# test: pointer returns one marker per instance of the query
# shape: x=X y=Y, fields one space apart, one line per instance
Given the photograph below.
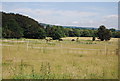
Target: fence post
x=33 y=72
x=27 y=45
x=21 y=68
x=105 y=50
x=117 y=51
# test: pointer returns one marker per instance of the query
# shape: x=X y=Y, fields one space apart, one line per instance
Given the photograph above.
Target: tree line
x=20 y=26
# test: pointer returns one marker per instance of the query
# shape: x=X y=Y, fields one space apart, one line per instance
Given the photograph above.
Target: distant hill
x=43 y=24
x=91 y=28
x=80 y=27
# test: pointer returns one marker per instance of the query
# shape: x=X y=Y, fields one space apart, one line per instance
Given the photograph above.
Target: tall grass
x=60 y=60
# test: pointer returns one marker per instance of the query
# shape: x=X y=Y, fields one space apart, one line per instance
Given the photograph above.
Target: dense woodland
x=20 y=26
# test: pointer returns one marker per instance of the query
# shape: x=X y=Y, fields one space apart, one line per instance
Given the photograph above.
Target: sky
x=60 y=0
x=81 y=14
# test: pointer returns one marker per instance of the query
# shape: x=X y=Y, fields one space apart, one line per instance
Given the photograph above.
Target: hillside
x=16 y=26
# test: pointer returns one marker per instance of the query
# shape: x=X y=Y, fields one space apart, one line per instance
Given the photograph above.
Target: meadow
x=38 y=59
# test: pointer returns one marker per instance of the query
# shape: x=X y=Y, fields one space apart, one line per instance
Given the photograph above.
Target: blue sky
x=83 y=14
x=60 y=0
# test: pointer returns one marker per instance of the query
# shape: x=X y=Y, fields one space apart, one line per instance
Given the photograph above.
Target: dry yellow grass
x=60 y=59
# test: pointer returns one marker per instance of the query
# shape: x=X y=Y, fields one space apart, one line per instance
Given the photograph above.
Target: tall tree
x=103 y=33
x=107 y=35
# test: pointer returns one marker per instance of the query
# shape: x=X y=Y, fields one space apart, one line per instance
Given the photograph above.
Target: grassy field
x=38 y=59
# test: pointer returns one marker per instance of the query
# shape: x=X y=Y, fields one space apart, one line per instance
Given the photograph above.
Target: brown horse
x=73 y=40
x=60 y=39
x=48 y=40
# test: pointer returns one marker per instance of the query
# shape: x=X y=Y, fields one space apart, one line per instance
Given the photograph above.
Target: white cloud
x=111 y=21
x=63 y=17
x=67 y=17
x=111 y=16
x=57 y=24
x=55 y=12
x=0 y=6
x=75 y=13
x=75 y=22
x=33 y=12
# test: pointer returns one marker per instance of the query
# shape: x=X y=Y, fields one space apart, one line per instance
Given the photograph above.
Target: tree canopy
x=17 y=26
x=103 y=33
x=20 y=26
